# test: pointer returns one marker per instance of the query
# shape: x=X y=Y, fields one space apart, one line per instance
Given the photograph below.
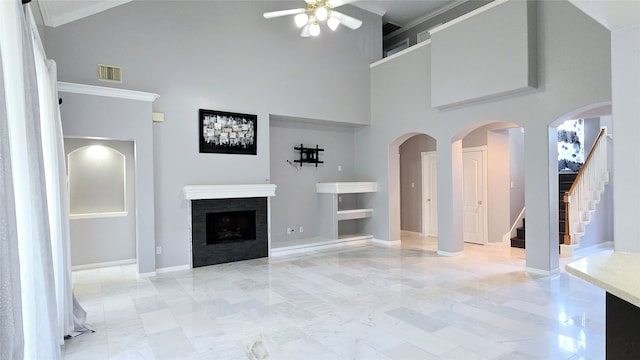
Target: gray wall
x=499 y=56
x=574 y=72
x=498 y=171
x=296 y=202
x=89 y=116
x=411 y=172
x=219 y=55
x=591 y=131
x=516 y=173
x=109 y=238
x=479 y=136
x=625 y=56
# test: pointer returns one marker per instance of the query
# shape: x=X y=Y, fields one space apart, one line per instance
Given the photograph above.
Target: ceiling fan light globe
x=333 y=23
x=314 y=29
x=301 y=20
x=322 y=13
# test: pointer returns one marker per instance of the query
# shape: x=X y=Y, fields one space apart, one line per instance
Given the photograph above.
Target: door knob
x=429 y=200
x=479 y=202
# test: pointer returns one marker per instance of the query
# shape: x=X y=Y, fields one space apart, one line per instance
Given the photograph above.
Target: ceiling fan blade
x=346 y=20
x=274 y=14
x=305 y=31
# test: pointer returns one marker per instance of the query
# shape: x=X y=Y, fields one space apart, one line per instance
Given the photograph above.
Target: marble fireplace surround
x=242 y=191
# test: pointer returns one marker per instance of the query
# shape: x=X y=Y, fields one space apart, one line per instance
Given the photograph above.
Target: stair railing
x=585 y=192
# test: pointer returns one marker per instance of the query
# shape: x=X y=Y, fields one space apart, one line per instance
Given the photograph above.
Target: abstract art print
x=228 y=133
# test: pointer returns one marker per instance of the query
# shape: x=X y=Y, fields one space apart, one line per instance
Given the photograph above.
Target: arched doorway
x=412 y=187
x=573 y=144
x=490 y=178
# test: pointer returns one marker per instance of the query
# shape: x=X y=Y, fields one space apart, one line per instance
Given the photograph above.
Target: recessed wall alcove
x=102 y=201
x=97 y=181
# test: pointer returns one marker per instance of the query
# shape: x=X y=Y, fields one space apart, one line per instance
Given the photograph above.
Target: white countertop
x=346 y=187
x=616 y=272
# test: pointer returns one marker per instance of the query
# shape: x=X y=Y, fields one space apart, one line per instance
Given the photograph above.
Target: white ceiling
x=613 y=14
x=59 y=12
x=400 y=12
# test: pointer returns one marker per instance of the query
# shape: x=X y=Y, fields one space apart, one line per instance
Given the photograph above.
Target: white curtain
x=36 y=261
x=37 y=274
x=11 y=337
x=55 y=179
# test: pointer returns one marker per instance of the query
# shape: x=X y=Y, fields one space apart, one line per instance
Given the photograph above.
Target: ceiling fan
x=317 y=11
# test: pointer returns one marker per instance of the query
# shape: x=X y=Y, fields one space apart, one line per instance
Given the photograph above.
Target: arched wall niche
x=97 y=181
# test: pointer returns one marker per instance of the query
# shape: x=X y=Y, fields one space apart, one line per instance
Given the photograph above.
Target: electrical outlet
x=158 y=250
x=290 y=231
x=301 y=229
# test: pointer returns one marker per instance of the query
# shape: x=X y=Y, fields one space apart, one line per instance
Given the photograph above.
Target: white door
x=429 y=195
x=474 y=195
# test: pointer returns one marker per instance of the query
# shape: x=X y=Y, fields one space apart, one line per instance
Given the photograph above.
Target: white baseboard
x=172 y=269
x=321 y=245
x=542 y=272
x=450 y=254
x=412 y=232
x=577 y=250
x=146 y=275
x=103 y=264
x=393 y=243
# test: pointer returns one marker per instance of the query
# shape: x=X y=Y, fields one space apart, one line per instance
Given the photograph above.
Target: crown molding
x=56 y=13
x=106 y=91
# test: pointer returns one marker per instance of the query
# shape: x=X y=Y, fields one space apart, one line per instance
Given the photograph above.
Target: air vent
x=109 y=73
x=388 y=28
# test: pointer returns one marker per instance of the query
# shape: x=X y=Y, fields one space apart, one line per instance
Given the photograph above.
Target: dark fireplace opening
x=230 y=226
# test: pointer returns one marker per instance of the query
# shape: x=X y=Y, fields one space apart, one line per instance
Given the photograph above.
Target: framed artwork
x=227 y=133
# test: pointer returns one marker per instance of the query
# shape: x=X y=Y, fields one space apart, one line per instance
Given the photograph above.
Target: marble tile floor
x=363 y=302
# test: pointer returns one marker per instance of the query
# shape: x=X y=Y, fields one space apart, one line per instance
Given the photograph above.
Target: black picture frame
x=227 y=132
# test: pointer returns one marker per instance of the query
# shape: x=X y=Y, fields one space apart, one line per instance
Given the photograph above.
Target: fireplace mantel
x=198 y=192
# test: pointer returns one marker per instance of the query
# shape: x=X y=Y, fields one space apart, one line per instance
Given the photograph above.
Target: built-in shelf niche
x=343 y=213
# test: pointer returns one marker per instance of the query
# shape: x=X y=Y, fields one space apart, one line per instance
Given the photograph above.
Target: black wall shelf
x=308 y=155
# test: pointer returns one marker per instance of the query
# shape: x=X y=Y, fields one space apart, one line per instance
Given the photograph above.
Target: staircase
x=518 y=241
x=583 y=196
x=565 y=181
x=578 y=196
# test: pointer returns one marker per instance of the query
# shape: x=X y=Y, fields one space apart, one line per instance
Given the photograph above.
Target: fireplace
x=230 y=226
x=228 y=222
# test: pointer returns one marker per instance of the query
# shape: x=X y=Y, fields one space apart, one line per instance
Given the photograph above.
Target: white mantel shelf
x=199 y=192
